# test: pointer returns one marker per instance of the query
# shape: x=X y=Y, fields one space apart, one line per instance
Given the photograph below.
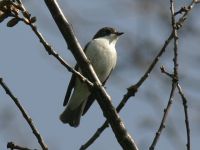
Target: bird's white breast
x=102 y=56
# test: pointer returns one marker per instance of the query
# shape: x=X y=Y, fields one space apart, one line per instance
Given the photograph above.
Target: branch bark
x=123 y=137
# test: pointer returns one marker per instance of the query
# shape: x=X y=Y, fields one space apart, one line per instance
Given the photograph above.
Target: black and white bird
x=103 y=56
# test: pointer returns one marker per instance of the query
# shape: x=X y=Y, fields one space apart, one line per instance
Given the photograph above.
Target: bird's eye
x=108 y=32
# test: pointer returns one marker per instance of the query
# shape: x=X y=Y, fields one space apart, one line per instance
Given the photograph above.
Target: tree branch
x=162 y=124
x=25 y=115
x=134 y=88
x=131 y=91
x=187 y=124
x=174 y=78
x=13 y=146
x=48 y=47
x=123 y=137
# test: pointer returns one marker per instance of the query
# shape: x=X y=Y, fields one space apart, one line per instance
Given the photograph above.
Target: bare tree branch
x=174 y=78
x=185 y=106
x=47 y=46
x=123 y=137
x=13 y=146
x=131 y=91
x=25 y=115
x=134 y=88
x=187 y=124
x=162 y=124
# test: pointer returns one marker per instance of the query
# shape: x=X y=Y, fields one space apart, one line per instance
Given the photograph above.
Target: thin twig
x=174 y=78
x=175 y=37
x=187 y=124
x=13 y=146
x=166 y=112
x=52 y=52
x=186 y=12
x=162 y=68
x=25 y=115
x=185 y=106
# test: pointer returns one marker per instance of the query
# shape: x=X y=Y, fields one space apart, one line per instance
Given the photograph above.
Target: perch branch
x=104 y=100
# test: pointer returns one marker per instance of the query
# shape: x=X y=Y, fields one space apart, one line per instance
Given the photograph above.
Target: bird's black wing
x=70 y=87
x=92 y=97
x=72 y=83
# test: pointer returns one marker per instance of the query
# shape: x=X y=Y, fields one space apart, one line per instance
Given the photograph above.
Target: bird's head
x=108 y=33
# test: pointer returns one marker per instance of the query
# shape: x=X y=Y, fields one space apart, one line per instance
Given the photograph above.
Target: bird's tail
x=72 y=117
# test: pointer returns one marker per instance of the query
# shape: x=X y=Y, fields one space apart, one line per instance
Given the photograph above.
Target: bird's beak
x=119 y=33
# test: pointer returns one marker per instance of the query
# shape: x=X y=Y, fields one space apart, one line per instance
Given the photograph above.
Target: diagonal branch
x=166 y=112
x=51 y=51
x=25 y=115
x=123 y=137
x=132 y=90
x=49 y=48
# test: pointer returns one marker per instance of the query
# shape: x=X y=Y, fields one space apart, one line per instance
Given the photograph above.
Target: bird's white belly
x=102 y=59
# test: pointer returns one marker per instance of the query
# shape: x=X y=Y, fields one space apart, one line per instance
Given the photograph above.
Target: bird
x=102 y=55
